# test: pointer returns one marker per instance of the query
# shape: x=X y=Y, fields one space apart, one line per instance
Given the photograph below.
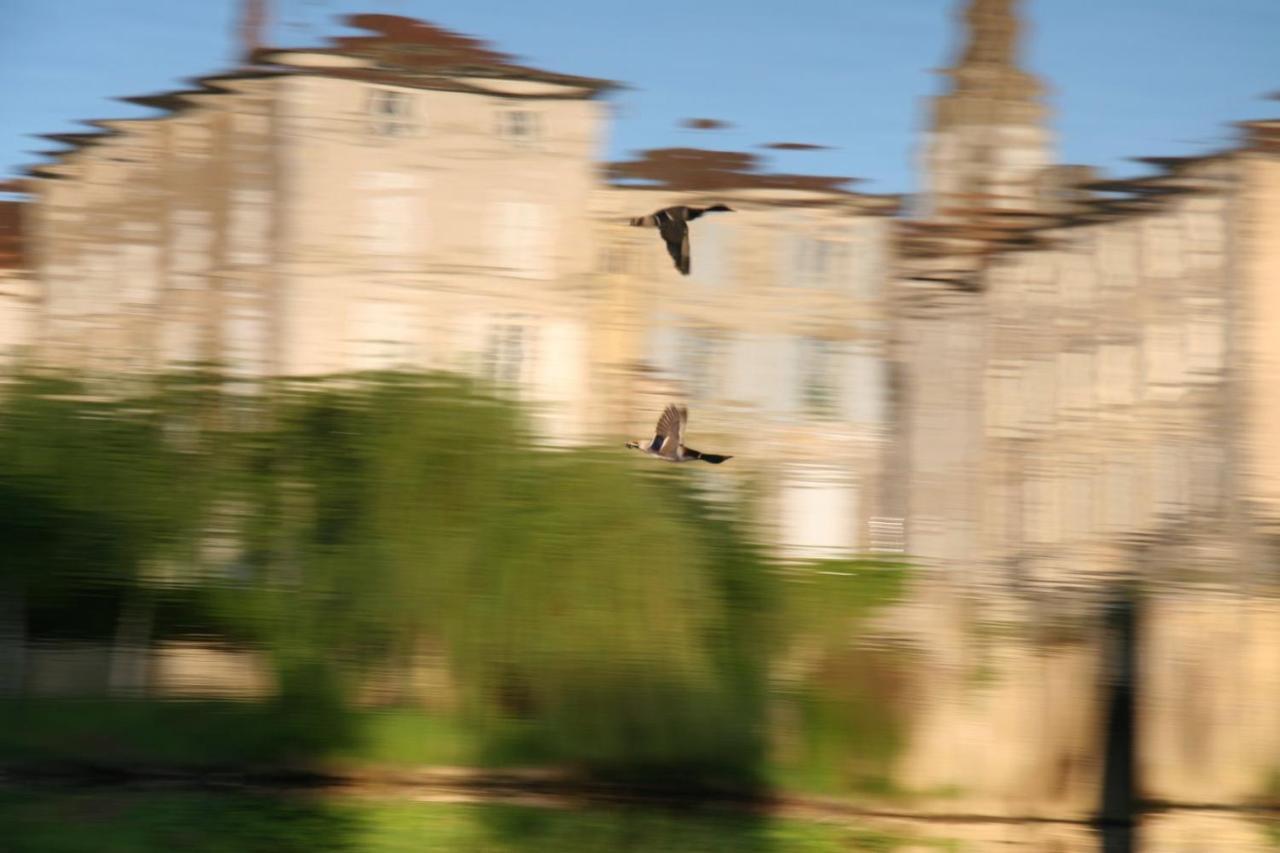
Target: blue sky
x=1127 y=77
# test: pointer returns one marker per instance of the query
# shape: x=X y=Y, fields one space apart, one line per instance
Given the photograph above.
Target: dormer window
x=520 y=126
x=390 y=113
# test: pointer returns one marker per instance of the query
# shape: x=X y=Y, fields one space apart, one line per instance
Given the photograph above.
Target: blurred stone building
x=413 y=198
x=1062 y=363
x=408 y=198
x=1090 y=373
x=1087 y=361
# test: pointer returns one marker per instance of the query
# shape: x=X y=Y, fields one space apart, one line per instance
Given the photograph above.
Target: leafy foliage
x=592 y=612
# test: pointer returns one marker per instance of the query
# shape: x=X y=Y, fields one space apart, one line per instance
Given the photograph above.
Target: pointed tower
x=987 y=147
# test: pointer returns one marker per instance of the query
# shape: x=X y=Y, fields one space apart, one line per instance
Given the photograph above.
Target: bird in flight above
x=668 y=440
x=673 y=225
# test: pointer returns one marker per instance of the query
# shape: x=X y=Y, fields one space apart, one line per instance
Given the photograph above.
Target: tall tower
x=987 y=147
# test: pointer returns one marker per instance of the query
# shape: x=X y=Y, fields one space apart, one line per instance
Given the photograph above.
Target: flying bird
x=673 y=225
x=668 y=440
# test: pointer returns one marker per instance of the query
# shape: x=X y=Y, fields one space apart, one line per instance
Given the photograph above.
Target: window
x=1164 y=354
x=864 y=375
x=95 y=293
x=562 y=359
x=1075 y=381
x=867 y=257
x=520 y=126
x=506 y=351
x=192 y=238
x=743 y=376
x=244 y=341
x=817 y=381
x=813 y=261
x=387 y=212
x=249 y=230
x=1206 y=337
x=139 y=264
x=180 y=340
x=559 y=379
x=819 y=261
x=390 y=224
x=523 y=238
x=818 y=514
x=663 y=344
x=390 y=113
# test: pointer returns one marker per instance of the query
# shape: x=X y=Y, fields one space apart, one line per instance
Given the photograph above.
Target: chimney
x=253 y=24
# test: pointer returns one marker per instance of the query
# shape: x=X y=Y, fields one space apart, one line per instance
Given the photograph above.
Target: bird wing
x=676 y=235
x=671 y=429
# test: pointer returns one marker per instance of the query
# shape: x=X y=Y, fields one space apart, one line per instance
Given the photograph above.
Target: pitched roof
x=411 y=52
x=397 y=51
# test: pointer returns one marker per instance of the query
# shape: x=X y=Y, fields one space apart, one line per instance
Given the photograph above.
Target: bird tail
x=713 y=458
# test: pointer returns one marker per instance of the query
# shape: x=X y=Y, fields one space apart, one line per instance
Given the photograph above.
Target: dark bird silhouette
x=668 y=440
x=673 y=225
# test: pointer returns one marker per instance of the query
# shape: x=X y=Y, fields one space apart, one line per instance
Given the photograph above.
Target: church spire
x=993 y=33
x=987 y=143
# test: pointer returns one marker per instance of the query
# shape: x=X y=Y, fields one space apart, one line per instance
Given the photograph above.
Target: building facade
x=414 y=199
x=1088 y=366
x=1090 y=376
x=778 y=338
x=1053 y=356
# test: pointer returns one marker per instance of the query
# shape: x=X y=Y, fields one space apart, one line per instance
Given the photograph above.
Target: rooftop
x=394 y=51
x=699 y=169
x=410 y=52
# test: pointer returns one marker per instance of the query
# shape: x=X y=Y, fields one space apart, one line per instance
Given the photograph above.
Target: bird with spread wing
x=673 y=224
x=668 y=440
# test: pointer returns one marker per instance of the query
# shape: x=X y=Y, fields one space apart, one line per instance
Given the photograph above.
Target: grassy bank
x=126 y=822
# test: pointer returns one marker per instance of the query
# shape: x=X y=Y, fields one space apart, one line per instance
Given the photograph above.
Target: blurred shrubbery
x=591 y=612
